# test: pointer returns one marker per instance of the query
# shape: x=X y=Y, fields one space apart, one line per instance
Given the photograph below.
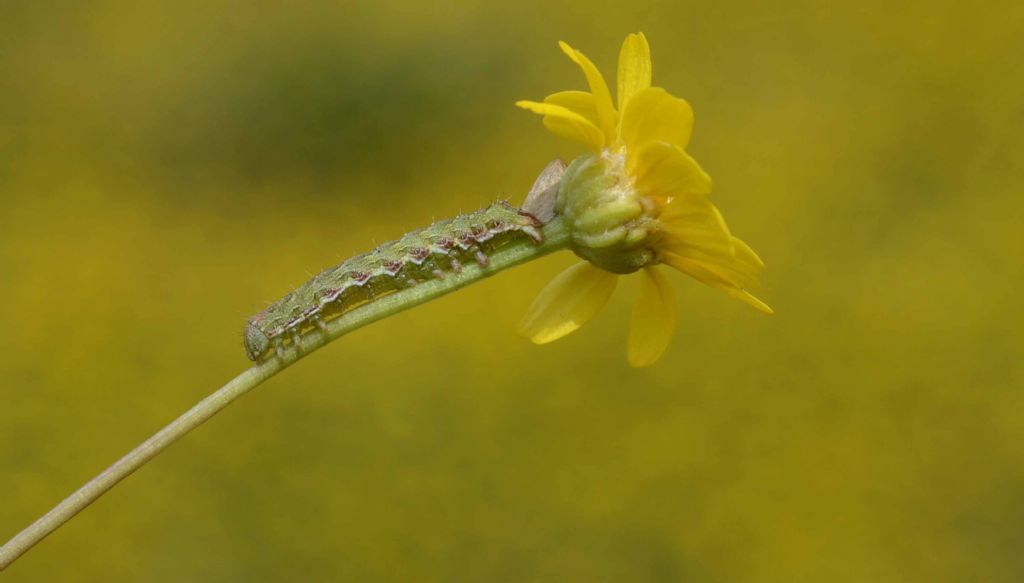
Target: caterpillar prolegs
x=423 y=254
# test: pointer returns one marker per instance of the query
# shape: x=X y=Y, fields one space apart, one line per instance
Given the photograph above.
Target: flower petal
x=726 y=278
x=730 y=269
x=565 y=123
x=653 y=115
x=654 y=319
x=579 y=102
x=634 y=67
x=568 y=302
x=746 y=255
x=602 y=97
x=693 y=222
x=666 y=170
x=741 y=267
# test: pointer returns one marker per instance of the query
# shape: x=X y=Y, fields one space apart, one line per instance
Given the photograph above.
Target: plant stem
x=555 y=238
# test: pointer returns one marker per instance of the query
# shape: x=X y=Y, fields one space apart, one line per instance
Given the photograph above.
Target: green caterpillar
x=422 y=254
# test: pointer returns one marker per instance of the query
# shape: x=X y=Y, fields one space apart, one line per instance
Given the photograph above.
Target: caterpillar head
x=256 y=342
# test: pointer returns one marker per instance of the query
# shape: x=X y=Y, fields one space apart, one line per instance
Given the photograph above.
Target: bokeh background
x=167 y=169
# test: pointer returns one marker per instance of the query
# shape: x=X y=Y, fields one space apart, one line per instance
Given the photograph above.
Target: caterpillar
x=422 y=254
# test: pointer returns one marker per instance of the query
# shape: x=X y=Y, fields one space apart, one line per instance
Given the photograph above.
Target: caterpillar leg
x=481 y=257
x=278 y=347
x=318 y=321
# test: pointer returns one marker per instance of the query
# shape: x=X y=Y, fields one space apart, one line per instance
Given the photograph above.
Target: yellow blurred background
x=167 y=169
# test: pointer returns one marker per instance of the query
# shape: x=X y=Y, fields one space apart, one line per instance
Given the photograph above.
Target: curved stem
x=555 y=238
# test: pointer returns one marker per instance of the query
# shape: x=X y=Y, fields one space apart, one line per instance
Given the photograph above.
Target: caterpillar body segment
x=420 y=255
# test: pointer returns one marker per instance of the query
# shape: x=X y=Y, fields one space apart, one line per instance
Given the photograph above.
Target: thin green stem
x=555 y=238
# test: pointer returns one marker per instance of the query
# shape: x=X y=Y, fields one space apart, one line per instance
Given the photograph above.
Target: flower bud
x=609 y=221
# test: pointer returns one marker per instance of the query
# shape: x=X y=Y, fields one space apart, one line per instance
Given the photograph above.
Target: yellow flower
x=636 y=201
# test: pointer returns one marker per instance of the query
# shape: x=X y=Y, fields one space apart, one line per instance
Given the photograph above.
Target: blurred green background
x=167 y=169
